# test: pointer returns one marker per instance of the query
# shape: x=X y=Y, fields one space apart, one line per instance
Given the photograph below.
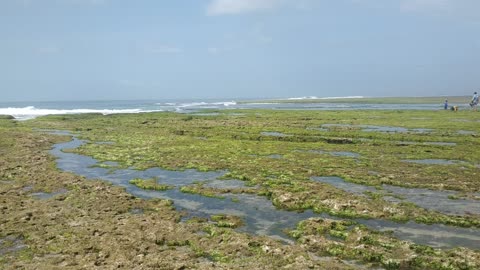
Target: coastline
x=369 y=100
x=30 y=110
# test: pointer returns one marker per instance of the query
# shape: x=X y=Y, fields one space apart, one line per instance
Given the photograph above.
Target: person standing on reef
x=445 y=106
x=474 y=102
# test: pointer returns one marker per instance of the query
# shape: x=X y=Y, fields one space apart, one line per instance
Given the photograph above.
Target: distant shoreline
x=26 y=110
x=369 y=100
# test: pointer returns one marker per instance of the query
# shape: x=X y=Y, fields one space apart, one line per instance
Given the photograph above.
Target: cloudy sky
x=150 y=49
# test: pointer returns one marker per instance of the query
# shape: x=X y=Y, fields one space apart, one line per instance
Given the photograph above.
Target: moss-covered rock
x=150 y=184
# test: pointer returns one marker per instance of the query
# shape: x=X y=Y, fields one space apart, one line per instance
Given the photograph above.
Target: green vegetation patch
x=227 y=221
x=150 y=184
x=6 y=117
x=347 y=240
x=200 y=189
x=236 y=144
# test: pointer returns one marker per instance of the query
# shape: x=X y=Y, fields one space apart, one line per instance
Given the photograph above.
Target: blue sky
x=148 y=49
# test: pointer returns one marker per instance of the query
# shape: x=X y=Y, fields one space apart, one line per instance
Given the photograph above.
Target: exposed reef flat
x=97 y=224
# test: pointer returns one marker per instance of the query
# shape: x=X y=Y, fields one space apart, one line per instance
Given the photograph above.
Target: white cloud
x=466 y=10
x=223 y=7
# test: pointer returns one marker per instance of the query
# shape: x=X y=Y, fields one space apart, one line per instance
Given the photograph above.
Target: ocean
x=29 y=110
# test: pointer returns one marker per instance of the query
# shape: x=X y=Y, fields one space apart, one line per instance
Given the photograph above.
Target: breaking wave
x=314 y=97
x=199 y=104
x=31 y=112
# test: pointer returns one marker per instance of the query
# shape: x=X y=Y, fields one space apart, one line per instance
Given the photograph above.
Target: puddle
x=441 y=143
x=274 y=134
x=318 y=129
x=434 y=161
x=440 y=201
x=56 y=132
x=136 y=211
x=11 y=244
x=426 y=143
x=436 y=235
x=258 y=213
x=429 y=199
x=275 y=156
x=384 y=129
x=337 y=154
x=205 y=114
x=27 y=188
x=466 y=132
x=344 y=185
x=47 y=195
x=461 y=120
x=225 y=184
x=372 y=128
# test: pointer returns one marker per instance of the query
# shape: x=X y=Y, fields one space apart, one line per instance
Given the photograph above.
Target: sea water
x=29 y=110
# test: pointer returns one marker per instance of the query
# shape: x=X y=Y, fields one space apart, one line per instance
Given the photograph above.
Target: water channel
x=259 y=215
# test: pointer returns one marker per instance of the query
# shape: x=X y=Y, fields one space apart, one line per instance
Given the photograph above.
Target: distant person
x=445 y=106
x=474 y=102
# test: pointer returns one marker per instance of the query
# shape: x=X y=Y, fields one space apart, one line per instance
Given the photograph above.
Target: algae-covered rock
x=347 y=240
x=96 y=225
x=227 y=221
x=6 y=117
x=150 y=184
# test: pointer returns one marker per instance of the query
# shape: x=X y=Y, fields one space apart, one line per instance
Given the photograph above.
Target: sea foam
x=31 y=112
x=314 y=97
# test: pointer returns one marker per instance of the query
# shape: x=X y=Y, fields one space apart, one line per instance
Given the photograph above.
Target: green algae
x=150 y=184
x=6 y=117
x=199 y=189
x=235 y=144
x=227 y=221
x=348 y=240
x=93 y=225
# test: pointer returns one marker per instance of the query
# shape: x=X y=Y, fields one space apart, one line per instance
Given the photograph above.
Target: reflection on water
x=11 y=244
x=274 y=134
x=426 y=143
x=258 y=213
x=47 y=195
x=434 y=161
x=440 y=201
x=337 y=153
x=466 y=132
x=435 y=235
x=441 y=143
x=372 y=128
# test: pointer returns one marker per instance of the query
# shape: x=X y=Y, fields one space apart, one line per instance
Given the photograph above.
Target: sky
x=148 y=49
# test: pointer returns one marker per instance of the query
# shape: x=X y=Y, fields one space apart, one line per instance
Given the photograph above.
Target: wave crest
x=31 y=112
